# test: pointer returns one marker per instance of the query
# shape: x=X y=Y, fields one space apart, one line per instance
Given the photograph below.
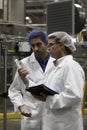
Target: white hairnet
x=64 y=38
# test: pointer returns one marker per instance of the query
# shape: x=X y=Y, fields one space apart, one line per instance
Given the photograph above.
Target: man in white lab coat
x=37 y=67
x=63 y=110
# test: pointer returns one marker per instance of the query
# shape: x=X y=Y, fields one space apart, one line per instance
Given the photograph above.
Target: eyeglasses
x=51 y=44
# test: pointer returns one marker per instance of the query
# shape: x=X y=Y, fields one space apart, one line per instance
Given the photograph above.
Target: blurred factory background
x=17 y=19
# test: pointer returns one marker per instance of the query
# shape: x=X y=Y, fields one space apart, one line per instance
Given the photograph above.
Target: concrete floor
x=14 y=124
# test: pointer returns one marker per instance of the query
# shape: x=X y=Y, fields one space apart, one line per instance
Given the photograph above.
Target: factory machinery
x=81 y=56
x=13 y=44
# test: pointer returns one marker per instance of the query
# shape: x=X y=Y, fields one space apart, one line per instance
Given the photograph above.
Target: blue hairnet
x=38 y=34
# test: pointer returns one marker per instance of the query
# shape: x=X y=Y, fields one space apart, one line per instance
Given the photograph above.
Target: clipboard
x=36 y=90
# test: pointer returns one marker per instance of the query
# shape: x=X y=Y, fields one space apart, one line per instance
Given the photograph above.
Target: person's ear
x=62 y=45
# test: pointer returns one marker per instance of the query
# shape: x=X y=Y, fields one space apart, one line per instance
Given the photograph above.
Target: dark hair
x=38 y=34
x=68 y=51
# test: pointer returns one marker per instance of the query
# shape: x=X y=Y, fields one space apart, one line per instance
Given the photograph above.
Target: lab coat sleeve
x=73 y=80
x=31 y=83
x=15 y=92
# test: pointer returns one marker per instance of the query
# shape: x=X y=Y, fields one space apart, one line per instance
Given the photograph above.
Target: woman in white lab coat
x=63 y=110
x=37 y=66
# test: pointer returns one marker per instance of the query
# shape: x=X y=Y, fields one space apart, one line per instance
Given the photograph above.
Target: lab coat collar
x=60 y=61
x=32 y=58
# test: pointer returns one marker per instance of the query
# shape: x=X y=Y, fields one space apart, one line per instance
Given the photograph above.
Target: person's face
x=55 y=48
x=39 y=48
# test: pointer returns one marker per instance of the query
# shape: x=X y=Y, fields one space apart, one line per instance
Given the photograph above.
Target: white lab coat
x=19 y=96
x=63 y=110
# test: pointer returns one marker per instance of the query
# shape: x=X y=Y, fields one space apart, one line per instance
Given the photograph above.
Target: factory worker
x=63 y=110
x=37 y=66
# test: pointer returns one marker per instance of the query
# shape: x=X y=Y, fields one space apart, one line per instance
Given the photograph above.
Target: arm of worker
x=24 y=75
x=14 y=93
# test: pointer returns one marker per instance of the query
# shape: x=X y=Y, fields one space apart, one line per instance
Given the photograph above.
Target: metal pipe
x=73 y=18
x=5 y=90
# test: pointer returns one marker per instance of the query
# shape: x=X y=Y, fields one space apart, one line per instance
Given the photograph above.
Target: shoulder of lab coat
x=29 y=59
x=73 y=78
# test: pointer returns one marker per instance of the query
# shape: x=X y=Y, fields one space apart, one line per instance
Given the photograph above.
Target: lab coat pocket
x=28 y=123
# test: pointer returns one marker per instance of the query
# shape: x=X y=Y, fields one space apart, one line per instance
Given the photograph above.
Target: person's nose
x=35 y=48
x=48 y=48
